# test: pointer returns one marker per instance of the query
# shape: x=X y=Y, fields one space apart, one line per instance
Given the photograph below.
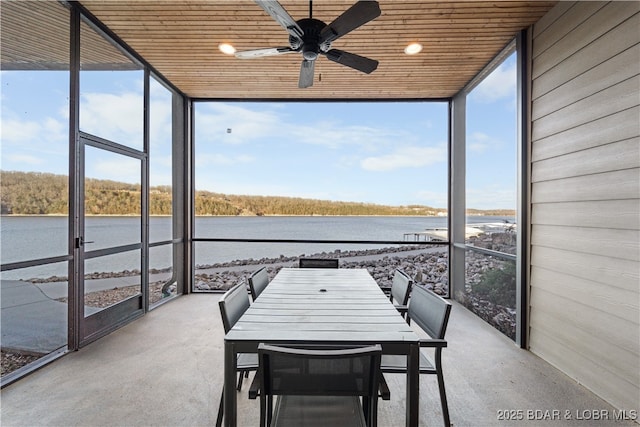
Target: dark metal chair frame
x=258 y=281
x=400 y=290
x=431 y=313
x=318 y=263
x=322 y=381
x=232 y=306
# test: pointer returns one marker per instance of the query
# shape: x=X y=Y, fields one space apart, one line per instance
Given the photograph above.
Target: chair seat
x=320 y=411
x=247 y=361
x=393 y=364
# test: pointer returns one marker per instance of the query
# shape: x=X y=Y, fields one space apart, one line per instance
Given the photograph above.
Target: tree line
x=36 y=193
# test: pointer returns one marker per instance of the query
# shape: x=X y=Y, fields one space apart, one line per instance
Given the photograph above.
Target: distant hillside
x=32 y=193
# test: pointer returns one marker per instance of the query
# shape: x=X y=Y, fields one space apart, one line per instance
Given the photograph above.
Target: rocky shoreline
x=427 y=265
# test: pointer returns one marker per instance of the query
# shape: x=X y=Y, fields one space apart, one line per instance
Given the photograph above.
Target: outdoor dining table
x=322 y=307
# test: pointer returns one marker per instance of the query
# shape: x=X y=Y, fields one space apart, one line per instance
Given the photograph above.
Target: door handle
x=81 y=242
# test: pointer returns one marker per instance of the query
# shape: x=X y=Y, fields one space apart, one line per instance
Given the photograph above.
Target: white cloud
x=24 y=159
x=335 y=134
x=162 y=162
x=19 y=131
x=235 y=124
x=480 y=142
x=27 y=144
x=160 y=170
x=207 y=159
x=160 y=124
x=491 y=197
x=406 y=157
x=114 y=117
x=63 y=112
x=164 y=178
x=121 y=169
x=55 y=130
x=500 y=84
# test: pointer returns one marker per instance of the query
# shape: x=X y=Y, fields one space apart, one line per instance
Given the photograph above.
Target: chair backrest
x=233 y=304
x=319 y=372
x=258 y=280
x=401 y=287
x=318 y=262
x=429 y=311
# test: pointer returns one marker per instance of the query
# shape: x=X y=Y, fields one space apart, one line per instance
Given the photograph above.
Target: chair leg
x=443 y=399
x=372 y=411
x=266 y=410
x=240 y=378
x=263 y=412
x=220 y=410
x=366 y=409
x=269 y=410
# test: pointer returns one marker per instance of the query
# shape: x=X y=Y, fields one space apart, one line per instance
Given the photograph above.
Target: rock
x=429 y=269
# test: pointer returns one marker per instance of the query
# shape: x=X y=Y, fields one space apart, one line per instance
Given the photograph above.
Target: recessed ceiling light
x=227 y=48
x=413 y=48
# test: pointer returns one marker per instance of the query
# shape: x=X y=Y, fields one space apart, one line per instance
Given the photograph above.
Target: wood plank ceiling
x=180 y=39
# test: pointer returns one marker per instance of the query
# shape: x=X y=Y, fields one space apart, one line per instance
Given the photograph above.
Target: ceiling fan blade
x=258 y=53
x=282 y=17
x=352 y=60
x=306 y=74
x=354 y=17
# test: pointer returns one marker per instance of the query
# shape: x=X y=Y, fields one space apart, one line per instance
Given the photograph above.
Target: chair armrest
x=254 y=389
x=385 y=393
x=386 y=290
x=403 y=309
x=433 y=343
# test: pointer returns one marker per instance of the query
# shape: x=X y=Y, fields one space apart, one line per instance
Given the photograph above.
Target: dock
x=442 y=234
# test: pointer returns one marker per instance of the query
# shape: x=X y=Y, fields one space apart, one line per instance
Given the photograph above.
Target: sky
x=383 y=153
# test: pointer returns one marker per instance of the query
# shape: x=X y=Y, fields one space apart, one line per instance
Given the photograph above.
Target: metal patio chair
x=258 y=280
x=318 y=262
x=431 y=313
x=232 y=305
x=319 y=386
x=400 y=290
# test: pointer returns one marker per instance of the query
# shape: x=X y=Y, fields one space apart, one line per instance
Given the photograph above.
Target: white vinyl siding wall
x=585 y=196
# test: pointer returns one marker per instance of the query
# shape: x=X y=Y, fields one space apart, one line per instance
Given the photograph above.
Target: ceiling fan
x=313 y=37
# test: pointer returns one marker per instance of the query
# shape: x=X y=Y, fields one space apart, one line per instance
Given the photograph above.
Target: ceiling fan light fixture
x=310 y=52
x=227 y=48
x=413 y=49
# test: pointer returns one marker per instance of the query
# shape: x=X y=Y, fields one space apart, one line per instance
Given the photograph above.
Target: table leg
x=413 y=385
x=230 y=404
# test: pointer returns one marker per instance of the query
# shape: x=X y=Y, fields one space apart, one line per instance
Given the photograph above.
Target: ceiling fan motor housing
x=310 y=44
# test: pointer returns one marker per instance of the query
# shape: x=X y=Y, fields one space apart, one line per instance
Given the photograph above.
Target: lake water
x=33 y=237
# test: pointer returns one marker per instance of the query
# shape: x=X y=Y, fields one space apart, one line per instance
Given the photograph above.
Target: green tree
x=498 y=285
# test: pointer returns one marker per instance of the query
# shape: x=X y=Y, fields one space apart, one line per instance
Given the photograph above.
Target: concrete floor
x=166 y=370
